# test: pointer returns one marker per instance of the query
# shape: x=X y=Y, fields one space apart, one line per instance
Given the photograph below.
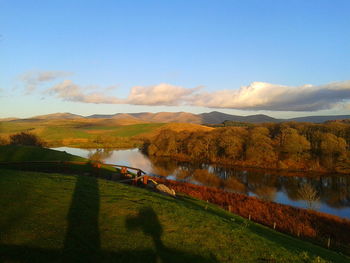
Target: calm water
x=325 y=193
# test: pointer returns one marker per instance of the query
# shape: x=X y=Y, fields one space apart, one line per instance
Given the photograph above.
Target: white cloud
x=256 y=96
x=266 y=96
x=161 y=94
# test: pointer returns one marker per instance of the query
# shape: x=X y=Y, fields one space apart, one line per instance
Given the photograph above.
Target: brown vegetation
x=297 y=146
x=3 y=141
x=26 y=138
x=295 y=221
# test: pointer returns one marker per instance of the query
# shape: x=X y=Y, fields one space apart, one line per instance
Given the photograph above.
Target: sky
x=280 y=58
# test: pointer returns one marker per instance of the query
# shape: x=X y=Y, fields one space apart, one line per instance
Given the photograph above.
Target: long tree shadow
x=82 y=242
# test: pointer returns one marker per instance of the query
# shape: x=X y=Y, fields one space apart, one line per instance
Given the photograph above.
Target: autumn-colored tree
x=292 y=144
x=332 y=149
x=199 y=146
x=164 y=144
x=284 y=145
x=182 y=139
x=260 y=148
x=231 y=142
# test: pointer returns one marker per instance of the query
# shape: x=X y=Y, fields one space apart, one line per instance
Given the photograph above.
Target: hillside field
x=91 y=133
x=55 y=217
x=81 y=132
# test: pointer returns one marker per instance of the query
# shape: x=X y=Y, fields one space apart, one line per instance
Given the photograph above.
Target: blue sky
x=90 y=57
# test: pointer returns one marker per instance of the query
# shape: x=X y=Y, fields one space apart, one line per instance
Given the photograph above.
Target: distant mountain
x=8 y=119
x=320 y=119
x=214 y=117
x=65 y=115
x=100 y=116
x=154 y=117
x=169 y=117
x=122 y=116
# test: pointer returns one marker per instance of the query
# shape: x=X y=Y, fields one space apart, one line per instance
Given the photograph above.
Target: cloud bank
x=256 y=96
x=161 y=94
x=266 y=96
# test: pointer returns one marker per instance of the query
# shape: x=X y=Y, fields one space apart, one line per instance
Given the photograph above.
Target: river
x=325 y=193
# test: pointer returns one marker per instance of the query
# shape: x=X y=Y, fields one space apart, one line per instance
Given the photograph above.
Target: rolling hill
x=214 y=117
x=320 y=119
x=59 y=115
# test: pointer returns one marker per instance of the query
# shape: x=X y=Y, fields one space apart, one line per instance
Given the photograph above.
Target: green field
x=54 y=217
x=79 y=133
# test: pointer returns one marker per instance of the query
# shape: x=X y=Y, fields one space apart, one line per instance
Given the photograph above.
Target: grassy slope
x=11 y=153
x=84 y=132
x=53 y=217
x=75 y=132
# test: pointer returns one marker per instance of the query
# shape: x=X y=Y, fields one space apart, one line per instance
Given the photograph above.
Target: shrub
x=3 y=141
x=26 y=138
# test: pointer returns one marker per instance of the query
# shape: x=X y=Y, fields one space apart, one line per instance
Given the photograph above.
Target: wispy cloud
x=162 y=94
x=69 y=91
x=33 y=79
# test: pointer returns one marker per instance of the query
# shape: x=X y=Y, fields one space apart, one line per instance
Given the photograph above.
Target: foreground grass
x=55 y=218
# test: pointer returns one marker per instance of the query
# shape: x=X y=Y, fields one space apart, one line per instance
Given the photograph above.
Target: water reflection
x=326 y=193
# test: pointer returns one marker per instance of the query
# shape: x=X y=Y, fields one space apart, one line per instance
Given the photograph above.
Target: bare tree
x=308 y=193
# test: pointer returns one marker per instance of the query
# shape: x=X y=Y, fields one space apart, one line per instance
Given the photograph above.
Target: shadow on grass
x=147 y=221
x=83 y=243
x=279 y=239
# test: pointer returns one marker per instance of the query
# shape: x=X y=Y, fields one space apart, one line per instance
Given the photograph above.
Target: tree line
x=302 y=146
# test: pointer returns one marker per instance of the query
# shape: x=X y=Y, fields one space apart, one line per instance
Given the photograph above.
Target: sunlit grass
x=80 y=132
x=12 y=153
